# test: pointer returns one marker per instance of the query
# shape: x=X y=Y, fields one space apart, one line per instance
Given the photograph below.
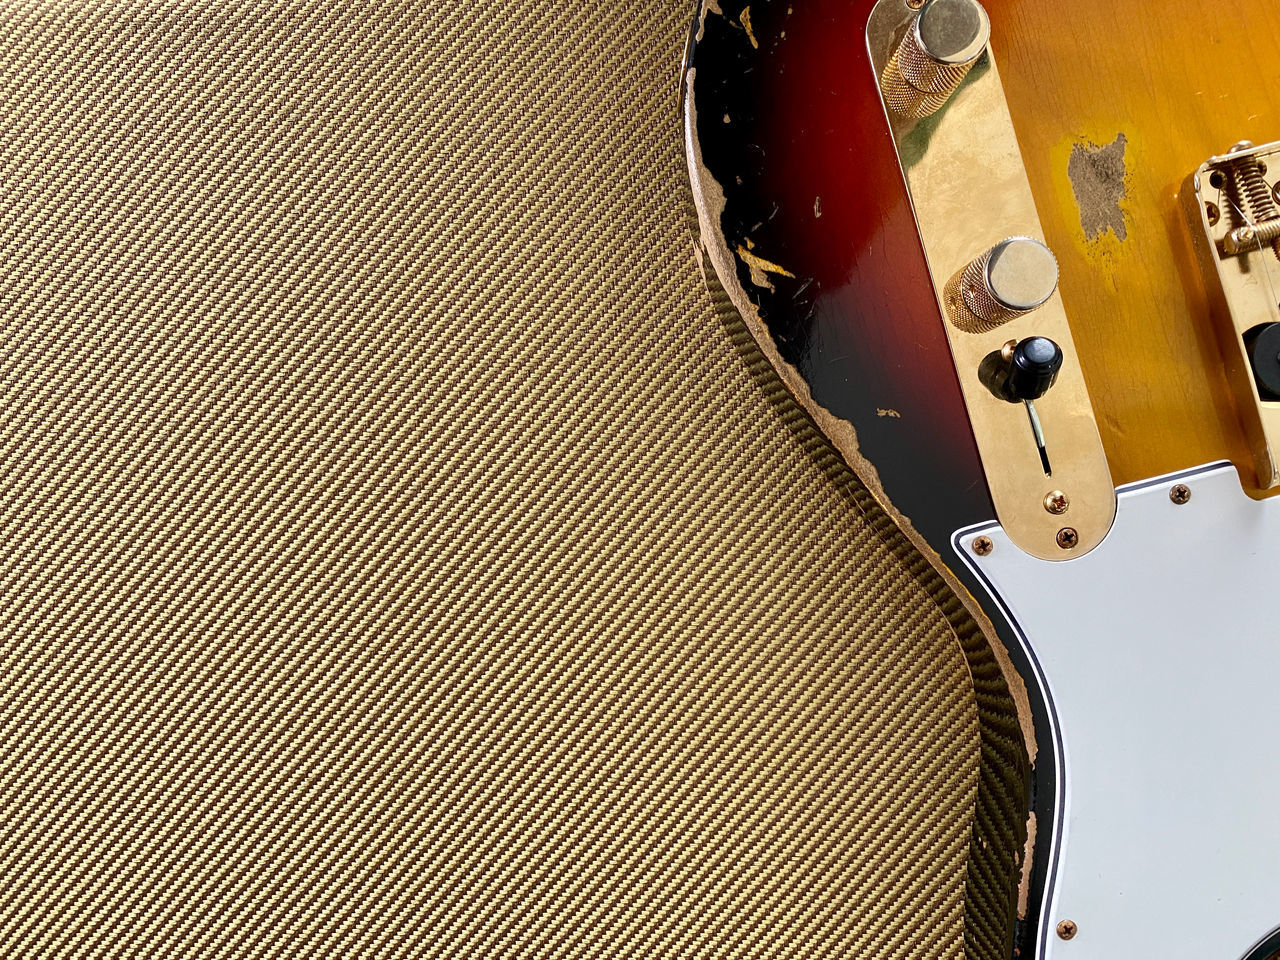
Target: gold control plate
x=1244 y=292
x=969 y=190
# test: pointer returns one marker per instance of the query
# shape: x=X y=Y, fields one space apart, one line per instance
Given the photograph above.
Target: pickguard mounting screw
x=1068 y=538
x=983 y=546
x=1180 y=494
x=1057 y=503
x=1067 y=930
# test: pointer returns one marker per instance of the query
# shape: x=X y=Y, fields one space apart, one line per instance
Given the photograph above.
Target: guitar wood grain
x=1173 y=84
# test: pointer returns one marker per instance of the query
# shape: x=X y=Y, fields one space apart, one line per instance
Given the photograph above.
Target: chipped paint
x=761 y=268
x=1099 y=180
x=745 y=18
x=891 y=414
x=710 y=205
x=817 y=207
x=1028 y=865
x=1103 y=233
x=708 y=7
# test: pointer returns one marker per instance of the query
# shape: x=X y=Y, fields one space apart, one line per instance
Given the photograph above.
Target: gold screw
x=983 y=546
x=1057 y=503
x=1067 y=930
x=1068 y=538
x=1180 y=494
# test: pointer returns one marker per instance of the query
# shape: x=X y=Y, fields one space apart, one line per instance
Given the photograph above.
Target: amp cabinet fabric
x=405 y=555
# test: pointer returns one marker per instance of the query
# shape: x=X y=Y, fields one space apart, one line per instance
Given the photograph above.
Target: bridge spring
x=1255 y=193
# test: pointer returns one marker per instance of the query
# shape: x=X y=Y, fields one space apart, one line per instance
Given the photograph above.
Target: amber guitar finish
x=808 y=222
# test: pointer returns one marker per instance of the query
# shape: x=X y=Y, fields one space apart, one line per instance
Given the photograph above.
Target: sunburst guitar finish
x=1142 y=657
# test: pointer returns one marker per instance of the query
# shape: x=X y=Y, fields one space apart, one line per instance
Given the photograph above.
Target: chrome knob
x=940 y=47
x=1011 y=279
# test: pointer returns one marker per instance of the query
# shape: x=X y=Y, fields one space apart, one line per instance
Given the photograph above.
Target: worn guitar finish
x=808 y=223
x=820 y=228
x=1112 y=112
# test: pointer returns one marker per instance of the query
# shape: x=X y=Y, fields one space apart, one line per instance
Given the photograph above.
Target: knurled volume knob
x=941 y=46
x=1011 y=279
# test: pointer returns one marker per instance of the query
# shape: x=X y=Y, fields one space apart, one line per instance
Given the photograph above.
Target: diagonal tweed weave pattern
x=399 y=559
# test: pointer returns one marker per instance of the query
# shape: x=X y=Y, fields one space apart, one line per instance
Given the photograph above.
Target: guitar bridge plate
x=1235 y=227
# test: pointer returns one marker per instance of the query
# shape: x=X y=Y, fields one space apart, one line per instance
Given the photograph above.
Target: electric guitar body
x=1021 y=263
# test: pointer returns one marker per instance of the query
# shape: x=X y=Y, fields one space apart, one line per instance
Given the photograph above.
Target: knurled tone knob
x=1011 y=279
x=944 y=42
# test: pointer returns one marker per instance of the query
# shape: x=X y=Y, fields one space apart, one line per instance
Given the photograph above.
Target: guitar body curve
x=812 y=231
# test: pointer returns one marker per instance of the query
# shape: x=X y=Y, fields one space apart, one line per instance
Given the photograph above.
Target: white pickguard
x=1160 y=655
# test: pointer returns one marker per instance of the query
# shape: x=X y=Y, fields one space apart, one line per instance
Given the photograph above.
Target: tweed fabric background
x=399 y=559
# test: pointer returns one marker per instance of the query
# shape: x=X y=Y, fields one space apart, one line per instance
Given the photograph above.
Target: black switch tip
x=1033 y=368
